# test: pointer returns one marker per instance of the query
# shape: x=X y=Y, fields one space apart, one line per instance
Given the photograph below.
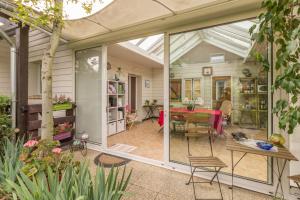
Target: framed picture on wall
x=147 y=83
x=207 y=71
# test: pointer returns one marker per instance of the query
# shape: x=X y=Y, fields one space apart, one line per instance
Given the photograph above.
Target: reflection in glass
x=88 y=91
x=237 y=87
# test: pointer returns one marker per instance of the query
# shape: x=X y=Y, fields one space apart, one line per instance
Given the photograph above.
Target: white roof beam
x=232 y=34
x=225 y=47
x=229 y=41
x=185 y=47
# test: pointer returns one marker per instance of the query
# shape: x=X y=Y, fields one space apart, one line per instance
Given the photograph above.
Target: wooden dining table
x=282 y=154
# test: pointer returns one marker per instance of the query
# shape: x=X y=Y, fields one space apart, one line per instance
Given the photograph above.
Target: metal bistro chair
x=202 y=164
x=296 y=179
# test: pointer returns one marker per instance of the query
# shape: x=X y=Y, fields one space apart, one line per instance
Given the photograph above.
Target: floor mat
x=107 y=160
x=123 y=148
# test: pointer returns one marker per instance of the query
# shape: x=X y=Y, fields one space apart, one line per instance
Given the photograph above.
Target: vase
x=190 y=107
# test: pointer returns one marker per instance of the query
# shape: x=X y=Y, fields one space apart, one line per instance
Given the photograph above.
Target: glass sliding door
x=88 y=92
x=216 y=71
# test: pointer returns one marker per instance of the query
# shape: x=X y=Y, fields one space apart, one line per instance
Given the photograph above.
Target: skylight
x=147 y=42
x=75 y=11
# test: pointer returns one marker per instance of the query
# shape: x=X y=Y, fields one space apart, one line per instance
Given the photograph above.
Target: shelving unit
x=255 y=103
x=116 y=107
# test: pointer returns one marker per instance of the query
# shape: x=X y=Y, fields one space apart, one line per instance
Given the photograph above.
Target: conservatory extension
x=145 y=74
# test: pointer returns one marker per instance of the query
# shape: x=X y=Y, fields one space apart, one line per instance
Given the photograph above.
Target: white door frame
x=103 y=83
x=136 y=89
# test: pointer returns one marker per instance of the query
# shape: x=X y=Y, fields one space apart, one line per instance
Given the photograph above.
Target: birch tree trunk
x=47 y=65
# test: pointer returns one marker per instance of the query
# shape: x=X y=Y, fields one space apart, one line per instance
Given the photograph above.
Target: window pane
x=196 y=94
x=237 y=86
x=88 y=101
x=175 y=90
x=188 y=85
x=188 y=94
x=196 y=84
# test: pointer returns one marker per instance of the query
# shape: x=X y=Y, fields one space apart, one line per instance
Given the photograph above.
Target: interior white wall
x=155 y=76
x=191 y=65
x=5 y=85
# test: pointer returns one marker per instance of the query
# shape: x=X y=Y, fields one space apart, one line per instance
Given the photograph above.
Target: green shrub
x=10 y=165
x=75 y=184
x=5 y=118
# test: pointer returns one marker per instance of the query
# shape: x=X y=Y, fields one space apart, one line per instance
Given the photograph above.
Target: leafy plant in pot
x=62 y=103
x=191 y=105
x=63 y=131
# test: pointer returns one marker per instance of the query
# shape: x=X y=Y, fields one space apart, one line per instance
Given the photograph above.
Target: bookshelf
x=254 y=103
x=116 y=107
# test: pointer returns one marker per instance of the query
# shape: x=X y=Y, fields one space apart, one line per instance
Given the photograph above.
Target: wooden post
x=22 y=34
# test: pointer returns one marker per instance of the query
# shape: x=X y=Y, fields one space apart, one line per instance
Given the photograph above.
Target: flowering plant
x=39 y=155
x=63 y=128
x=62 y=99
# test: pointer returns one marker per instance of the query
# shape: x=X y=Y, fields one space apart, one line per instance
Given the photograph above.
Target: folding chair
x=296 y=179
x=202 y=164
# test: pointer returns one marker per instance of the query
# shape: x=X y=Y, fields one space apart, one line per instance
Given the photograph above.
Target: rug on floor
x=107 y=160
x=123 y=148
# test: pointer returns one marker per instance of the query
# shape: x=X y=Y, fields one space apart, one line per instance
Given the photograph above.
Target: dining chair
x=178 y=122
x=131 y=117
x=202 y=164
x=226 y=108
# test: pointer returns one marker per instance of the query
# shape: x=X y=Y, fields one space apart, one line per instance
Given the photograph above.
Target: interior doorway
x=132 y=93
x=221 y=90
x=136 y=98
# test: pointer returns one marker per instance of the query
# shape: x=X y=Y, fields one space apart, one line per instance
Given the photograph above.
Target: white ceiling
x=139 y=59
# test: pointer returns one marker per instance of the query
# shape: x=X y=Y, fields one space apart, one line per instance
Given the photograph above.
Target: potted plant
x=62 y=103
x=147 y=102
x=191 y=105
x=154 y=102
x=63 y=131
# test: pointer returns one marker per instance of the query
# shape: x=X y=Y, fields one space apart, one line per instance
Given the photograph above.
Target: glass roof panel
x=149 y=42
x=233 y=37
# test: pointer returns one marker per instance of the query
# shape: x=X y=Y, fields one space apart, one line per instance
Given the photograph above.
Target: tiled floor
x=149 y=142
x=155 y=183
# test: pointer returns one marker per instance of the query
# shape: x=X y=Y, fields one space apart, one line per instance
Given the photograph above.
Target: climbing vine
x=279 y=24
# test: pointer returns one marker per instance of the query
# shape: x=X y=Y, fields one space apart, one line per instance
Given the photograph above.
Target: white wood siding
x=158 y=85
x=63 y=62
x=5 y=86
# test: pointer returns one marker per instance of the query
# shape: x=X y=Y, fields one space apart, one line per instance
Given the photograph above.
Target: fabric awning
x=124 y=14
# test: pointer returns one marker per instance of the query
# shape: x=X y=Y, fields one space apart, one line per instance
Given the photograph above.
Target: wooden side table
x=283 y=154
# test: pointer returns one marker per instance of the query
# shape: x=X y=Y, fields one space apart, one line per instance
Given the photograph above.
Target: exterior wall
x=5 y=85
x=63 y=62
